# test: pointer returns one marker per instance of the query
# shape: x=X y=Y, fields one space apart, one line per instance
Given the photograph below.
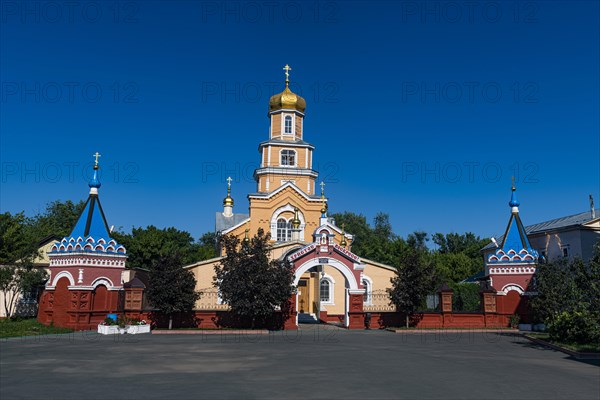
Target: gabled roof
x=268 y=195
x=564 y=222
x=223 y=223
x=554 y=224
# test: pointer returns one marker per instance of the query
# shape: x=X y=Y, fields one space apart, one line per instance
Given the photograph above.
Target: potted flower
x=138 y=326
x=108 y=327
x=123 y=325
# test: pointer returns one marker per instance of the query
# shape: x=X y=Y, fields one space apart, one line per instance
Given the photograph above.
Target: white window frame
x=285 y=119
x=330 y=281
x=290 y=152
x=287 y=230
x=277 y=215
x=368 y=298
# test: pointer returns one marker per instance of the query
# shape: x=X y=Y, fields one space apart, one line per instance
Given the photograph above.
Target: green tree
x=206 y=247
x=171 y=288
x=453 y=267
x=145 y=245
x=17 y=245
x=458 y=255
x=377 y=243
x=253 y=285
x=58 y=219
x=568 y=298
x=415 y=277
x=9 y=287
x=16 y=281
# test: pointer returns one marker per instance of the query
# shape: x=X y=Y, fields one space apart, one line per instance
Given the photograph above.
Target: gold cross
x=97 y=155
x=229 y=182
x=322 y=188
x=513 y=181
x=287 y=69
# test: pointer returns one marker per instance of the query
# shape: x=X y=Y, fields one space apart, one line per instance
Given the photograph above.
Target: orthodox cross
x=513 y=181
x=287 y=69
x=96 y=156
x=229 y=182
x=322 y=188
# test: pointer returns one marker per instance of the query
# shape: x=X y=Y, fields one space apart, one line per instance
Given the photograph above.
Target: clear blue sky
x=422 y=110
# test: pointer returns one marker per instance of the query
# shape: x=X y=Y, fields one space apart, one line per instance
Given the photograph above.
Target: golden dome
x=228 y=201
x=296 y=221
x=288 y=100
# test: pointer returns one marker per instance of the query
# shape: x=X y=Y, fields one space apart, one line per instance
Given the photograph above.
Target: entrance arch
x=335 y=263
x=61 y=302
x=353 y=291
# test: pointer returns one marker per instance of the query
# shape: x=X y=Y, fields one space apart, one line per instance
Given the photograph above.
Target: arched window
x=284 y=230
x=324 y=291
x=288 y=157
x=368 y=291
x=288 y=125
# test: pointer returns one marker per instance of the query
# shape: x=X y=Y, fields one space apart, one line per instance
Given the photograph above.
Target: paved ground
x=316 y=362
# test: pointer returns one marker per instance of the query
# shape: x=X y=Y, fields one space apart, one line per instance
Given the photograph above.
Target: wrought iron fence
x=210 y=300
x=378 y=301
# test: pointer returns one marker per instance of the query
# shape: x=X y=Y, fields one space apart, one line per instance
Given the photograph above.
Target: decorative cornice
x=291 y=171
x=267 y=196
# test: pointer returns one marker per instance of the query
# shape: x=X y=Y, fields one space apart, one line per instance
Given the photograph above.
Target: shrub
x=466 y=297
x=581 y=327
x=514 y=320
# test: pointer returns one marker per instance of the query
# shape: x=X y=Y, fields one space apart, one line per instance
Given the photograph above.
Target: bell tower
x=286 y=157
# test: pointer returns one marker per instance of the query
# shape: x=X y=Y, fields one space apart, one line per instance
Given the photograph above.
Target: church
x=89 y=279
x=333 y=284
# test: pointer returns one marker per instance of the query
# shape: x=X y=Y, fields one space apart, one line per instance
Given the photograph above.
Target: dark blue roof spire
x=95 y=181
x=514 y=203
x=92 y=221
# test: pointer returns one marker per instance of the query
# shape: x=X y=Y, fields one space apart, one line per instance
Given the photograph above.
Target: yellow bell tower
x=286 y=157
x=286 y=202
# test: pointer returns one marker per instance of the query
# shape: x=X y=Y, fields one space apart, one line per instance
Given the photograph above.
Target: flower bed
x=122 y=326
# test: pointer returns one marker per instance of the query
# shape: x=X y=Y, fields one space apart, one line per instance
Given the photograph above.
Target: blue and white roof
x=515 y=247
x=91 y=232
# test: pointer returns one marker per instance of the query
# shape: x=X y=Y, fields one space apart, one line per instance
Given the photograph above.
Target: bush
x=581 y=327
x=466 y=297
x=514 y=320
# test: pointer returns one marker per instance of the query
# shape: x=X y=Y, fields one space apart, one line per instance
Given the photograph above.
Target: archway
x=326 y=290
x=60 y=305
x=100 y=298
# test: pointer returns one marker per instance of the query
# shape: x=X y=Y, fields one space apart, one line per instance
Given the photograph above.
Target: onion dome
x=228 y=201
x=246 y=238
x=324 y=207
x=287 y=99
x=296 y=221
x=94 y=183
x=514 y=203
x=343 y=242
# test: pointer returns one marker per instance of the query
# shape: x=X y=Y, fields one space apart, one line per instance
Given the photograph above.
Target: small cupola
x=287 y=99
x=228 y=201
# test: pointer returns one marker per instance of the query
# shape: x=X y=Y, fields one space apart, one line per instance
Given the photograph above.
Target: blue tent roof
x=92 y=221
x=515 y=237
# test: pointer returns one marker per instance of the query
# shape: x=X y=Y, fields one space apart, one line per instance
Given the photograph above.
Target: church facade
x=333 y=284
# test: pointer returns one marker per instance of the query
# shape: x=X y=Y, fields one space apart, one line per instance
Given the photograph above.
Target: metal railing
x=210 y=300
x=378 y=301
